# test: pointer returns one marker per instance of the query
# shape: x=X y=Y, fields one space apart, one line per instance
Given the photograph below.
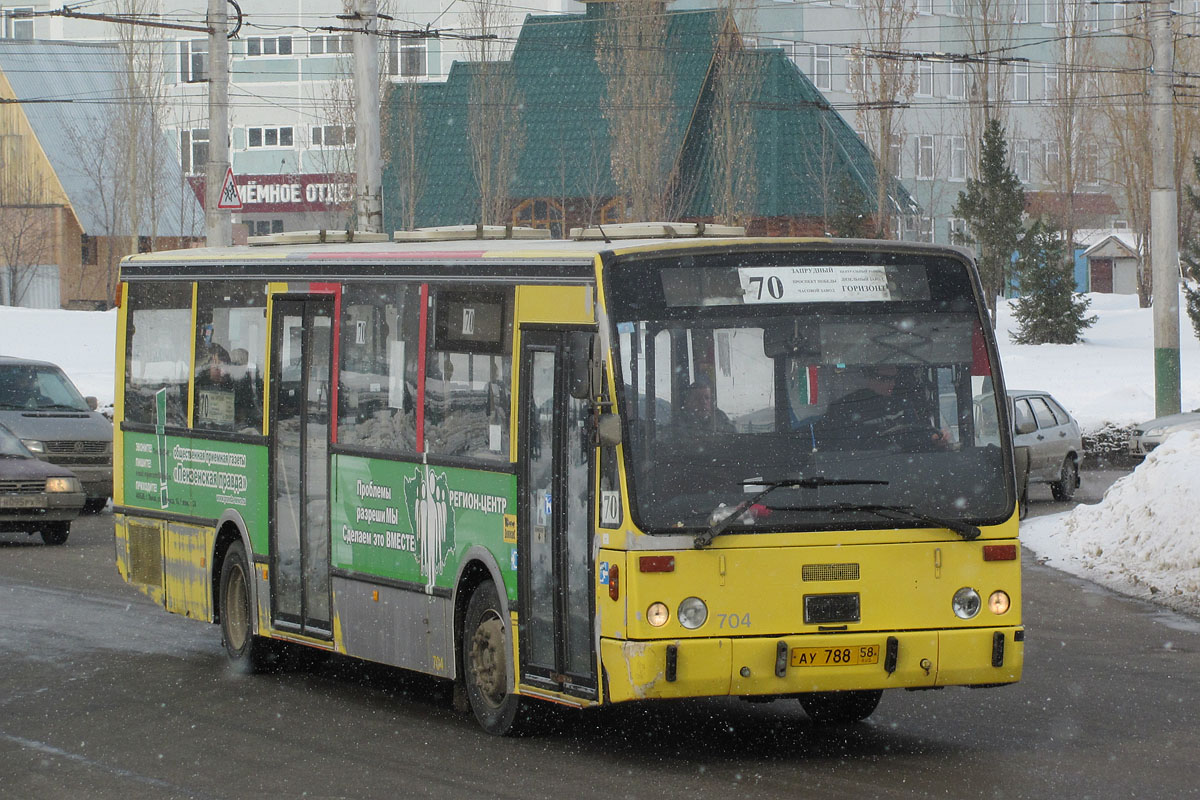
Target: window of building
x=924 y=79
x=264 y=227
x=406 y=57
x=954 y=8
x=918 y=228
x=896 y=149
x=822 y=67
x=1091 y=16
x=1021 y=159
x=468 y=372
x=231 y=337
x=333 y=136
x=856 y=72
x=924 y=157
x=1021 y=83
x=958 y=158
x=1021 y=11
x=159 y=351
x=193 y=150
x=957 y=230
x=18 y=22
x=1089 y=163
x=326 y=45
x=1050 y=12
x=1050 y=81
x=89 y=250
x=1051 y=162
x=924 y=6
x=958 y=82
x=269 y=137
x=193 y=61
x=377 y=392
x=268 y=46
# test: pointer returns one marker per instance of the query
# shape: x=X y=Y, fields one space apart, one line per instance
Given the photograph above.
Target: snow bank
x=1143 y=538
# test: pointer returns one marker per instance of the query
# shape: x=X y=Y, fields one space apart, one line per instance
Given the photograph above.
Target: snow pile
x=1142 y=538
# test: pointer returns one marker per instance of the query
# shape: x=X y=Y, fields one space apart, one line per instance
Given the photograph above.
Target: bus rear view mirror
x=584 y=365
x=608 y=429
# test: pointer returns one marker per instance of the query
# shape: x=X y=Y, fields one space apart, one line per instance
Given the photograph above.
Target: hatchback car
x=36 y=497
x=1053 y=439
x=40 y=405
x=1149 y=435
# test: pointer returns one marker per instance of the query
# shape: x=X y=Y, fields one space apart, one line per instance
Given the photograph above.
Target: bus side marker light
x=998 y=649
x=657 y=563
x=999 y=602
x=999 y=552
x=614 y=582
x=658 y=614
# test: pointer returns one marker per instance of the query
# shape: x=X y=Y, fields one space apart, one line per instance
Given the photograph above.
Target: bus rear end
x=813 y=493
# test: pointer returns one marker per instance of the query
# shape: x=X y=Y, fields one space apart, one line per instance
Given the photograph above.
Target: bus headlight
x=966 y=603
x=998 y=602
x=692 y=613
x=657 y=614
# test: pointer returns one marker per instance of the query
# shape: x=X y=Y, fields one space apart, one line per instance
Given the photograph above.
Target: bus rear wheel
x=840 y=708
x=487 y=664
x=248 y=653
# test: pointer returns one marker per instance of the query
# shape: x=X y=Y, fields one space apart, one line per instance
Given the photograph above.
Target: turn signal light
x=614 y=582
x=657 y=563
x=999 y=552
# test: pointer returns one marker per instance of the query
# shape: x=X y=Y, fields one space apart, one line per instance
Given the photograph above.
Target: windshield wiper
x=964 y=529
x=815 y=482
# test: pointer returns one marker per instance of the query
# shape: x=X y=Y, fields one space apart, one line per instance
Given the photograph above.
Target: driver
x=876 y=416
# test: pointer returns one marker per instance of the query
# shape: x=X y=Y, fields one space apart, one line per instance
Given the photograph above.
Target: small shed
x=1111 y=258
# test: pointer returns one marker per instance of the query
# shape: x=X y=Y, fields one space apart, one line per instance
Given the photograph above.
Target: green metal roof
x=803 y=150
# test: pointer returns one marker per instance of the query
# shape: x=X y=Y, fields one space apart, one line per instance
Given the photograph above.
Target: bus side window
x=378 y=371
x=159 y=350
x=231 y=336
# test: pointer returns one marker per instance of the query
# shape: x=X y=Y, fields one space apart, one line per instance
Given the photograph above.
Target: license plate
x=17 y=501
x=835 y=656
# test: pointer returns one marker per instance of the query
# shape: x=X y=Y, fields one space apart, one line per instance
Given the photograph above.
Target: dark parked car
x=36 y=497
x=40 y=405
x=1053 y=441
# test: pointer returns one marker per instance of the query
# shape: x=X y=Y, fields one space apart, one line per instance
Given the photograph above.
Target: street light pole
x=1164 y=222
x=218 y=225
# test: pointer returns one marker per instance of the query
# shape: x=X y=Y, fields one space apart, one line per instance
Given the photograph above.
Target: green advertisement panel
x=199 y=478
x=413 y=522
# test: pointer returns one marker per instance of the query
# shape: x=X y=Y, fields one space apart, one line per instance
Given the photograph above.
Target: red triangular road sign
x=229 y=198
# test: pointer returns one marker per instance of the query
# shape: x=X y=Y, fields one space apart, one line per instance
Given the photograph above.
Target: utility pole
x=1164 y=222
x=367 y=160
x=218 y=225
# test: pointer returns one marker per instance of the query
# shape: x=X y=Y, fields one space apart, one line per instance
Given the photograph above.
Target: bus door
x=554 y=548
x=301 y=358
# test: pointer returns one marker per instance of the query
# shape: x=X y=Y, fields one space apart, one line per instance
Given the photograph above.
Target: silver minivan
x=40 y=405
x=1053 y=439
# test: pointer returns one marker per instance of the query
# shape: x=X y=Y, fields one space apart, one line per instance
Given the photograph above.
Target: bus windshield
x=869 y=373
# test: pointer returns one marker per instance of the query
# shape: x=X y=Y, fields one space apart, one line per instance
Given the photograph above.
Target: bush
x=1108 y=445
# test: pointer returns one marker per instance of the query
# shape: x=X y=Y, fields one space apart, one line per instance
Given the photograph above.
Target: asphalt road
x=104 y=695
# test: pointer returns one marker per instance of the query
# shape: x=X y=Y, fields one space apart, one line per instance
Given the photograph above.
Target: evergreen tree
x=1049 y=311
x=849 y=220
x=1190 y=256
x=992 y=206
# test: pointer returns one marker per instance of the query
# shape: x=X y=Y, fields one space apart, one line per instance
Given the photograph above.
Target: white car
x=1053 y=439
x=1149 y=435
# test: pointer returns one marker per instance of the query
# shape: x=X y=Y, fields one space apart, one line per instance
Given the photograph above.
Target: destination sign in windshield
x=814 y=284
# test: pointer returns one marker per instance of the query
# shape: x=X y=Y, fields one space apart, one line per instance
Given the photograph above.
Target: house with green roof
x=808 y=163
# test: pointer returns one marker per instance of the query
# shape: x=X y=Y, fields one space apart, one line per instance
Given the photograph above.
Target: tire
x=487 y=664
x=248 y=653
x=1064 y=488
x=94 y=505
x=56 y=533
x=840 y=708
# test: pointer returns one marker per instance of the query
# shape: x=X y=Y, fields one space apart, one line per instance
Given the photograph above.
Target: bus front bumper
x=811 y=663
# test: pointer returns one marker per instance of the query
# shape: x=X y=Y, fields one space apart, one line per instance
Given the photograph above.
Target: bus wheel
x=840 y=708
x=487 y=661
x=247 y=652
x=56 y=533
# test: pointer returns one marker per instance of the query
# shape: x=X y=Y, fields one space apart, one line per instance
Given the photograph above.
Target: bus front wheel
x=487 y=663
x=840 y=708
x=248 y=653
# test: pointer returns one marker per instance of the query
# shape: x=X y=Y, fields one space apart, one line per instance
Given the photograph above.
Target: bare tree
x=631 y=49
x=736 y=85
x=987 y=28
x=26 y=230
x=888 y=84
x=494 y=127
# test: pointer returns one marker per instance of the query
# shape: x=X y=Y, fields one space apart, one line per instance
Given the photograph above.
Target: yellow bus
x=581 y=472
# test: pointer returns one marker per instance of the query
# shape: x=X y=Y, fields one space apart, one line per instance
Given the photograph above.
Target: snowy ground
x=1141 y=540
